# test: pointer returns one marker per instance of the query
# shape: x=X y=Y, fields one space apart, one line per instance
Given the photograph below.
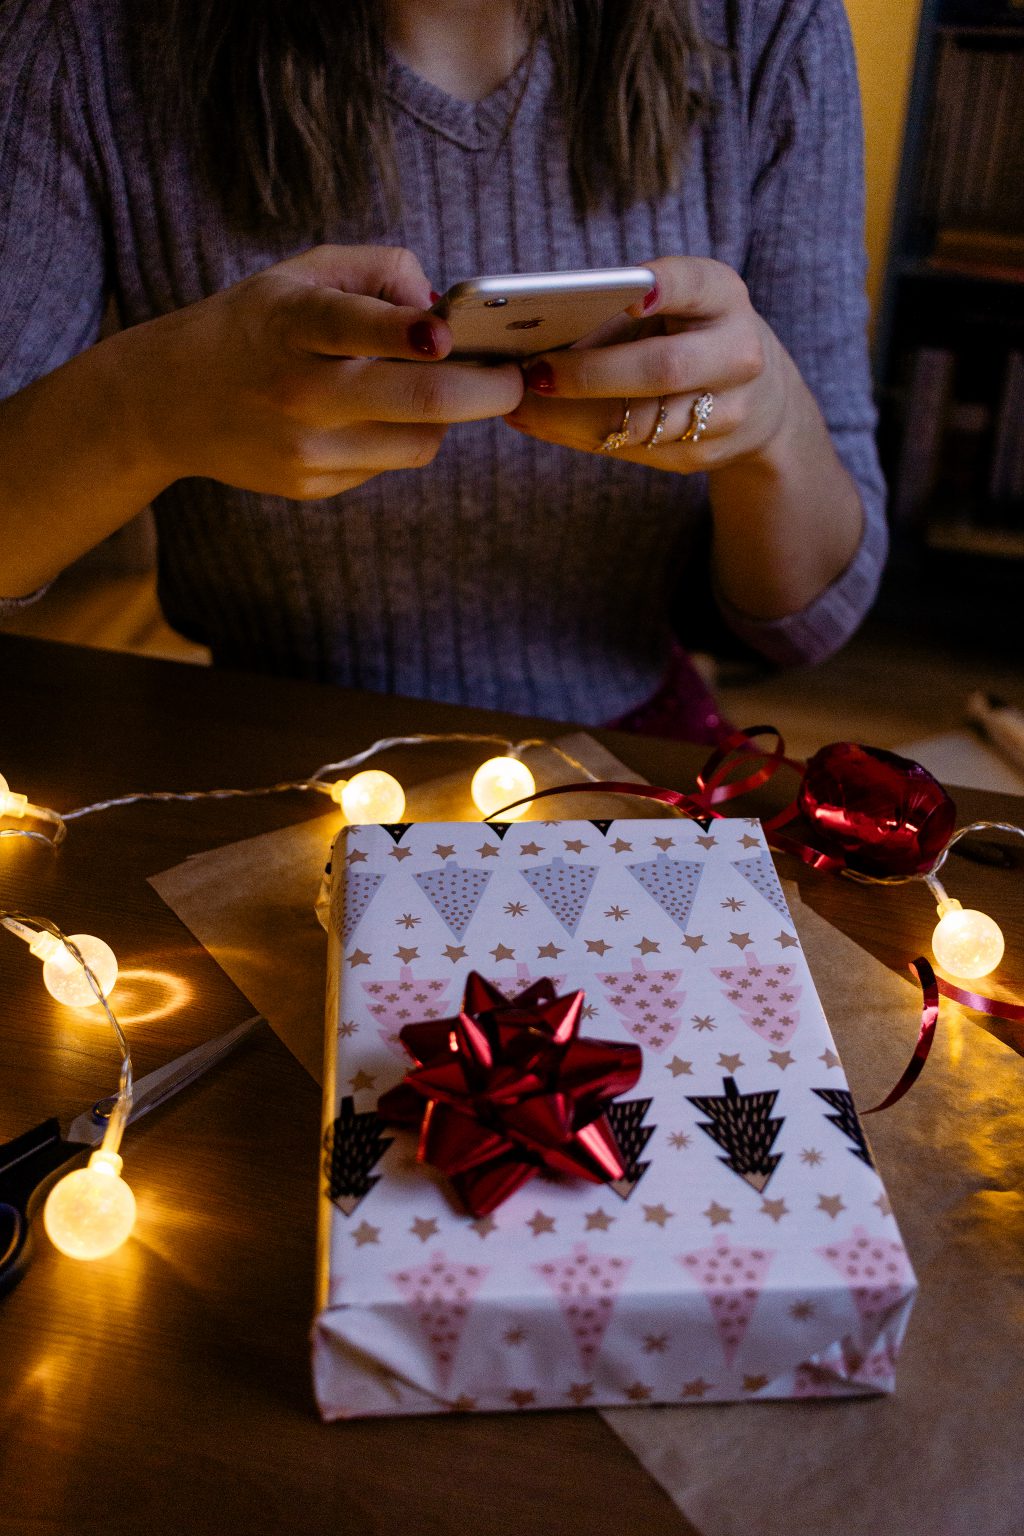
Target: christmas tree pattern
x=440 y=1295
x=353 y=1145
x=845 y=1118
x=563 y=888
x=732 y=1278
x=741 y=1124
x=876 y=1269
x=828 y=1374
x=648 y=1003
x=672 y=883
x=511 y=986
x=454 y=893
x=624 y=1117
x=404 y=999
x=765 y=996
x=587 y=1285
x=760 y=873
x=360 y=889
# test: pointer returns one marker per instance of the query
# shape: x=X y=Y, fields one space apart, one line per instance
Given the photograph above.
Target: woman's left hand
x=696 y=335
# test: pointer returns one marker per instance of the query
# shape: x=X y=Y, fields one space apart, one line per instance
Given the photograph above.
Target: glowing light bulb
x=11 y=804
x=90 y=1212
x=966 y=943
x=498 y=782
x=65 y=979
x=370 y=796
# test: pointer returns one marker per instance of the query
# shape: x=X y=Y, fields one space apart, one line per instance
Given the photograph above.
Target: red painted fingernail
x=435 y=297
x=539 y=377
x=650 y=299
x=422 y=338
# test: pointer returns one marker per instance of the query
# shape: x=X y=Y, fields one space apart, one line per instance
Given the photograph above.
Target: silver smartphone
x=528 y=312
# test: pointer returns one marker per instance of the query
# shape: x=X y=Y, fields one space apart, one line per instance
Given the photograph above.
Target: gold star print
x=733 y=904
x=598 y=1221
x=648 y=946
x=347 y=1028
x=406 y=954
x=597 y=947
x=445 y=850
x=885 y=1209
x=698 y=1388
x=588 y=1011
x=679 y=1140
x=802 y=1310
x=679 y=1068
x=548 y=951
x=694 y=941
x=398 y=854
x=811 y=1156
x=664 y=843
x=484 y=1226
x=534 y=849
x=359 y=957
x=539 y=1223
x=357 y=856
x=522 y=1398
x=741 y=940
x=516 y=908
x=831 y=1205
x=657 y=1214
x=718 y=1214
x=746 y=841
x=730 y=1063
x=707 y=841
x=638 y=1393
x=576 y=845
x=781 y=1059
x=361 y=1080
x=655 y=1343
x=580 y=1392
x=617 y=914
x=364 y=1234
x=786 y=940
x=754 y=1383
x=776 y=1209
x=515 y=1336
x=621 y=846
x=488 y=851
x=703 y=1021
x=829 y=1058
x=407 y=920
x=424 y=1228
x=502 y=952
x=455 y=952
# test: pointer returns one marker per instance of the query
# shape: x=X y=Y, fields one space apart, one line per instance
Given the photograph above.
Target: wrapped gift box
x=749 y=1251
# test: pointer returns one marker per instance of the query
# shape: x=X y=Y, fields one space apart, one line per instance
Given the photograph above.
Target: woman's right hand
x=310 y=377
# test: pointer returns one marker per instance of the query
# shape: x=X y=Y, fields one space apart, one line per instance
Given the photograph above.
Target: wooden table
x=167 y=1388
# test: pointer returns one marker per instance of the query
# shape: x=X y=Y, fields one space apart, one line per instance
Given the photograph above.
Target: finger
x=694 y=287
x=587 y=425
x=371 y=446
x=447 y=392
x=379 y=271
x=713 y=357
x=327 y=323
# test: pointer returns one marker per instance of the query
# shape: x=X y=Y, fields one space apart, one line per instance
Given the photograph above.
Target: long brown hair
x=286 y=135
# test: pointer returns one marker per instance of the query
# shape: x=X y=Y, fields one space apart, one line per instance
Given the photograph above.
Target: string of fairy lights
x=90 y=1212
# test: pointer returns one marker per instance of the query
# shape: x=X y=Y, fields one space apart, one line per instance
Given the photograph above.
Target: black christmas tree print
x=672 y=883
x=563 y=888
x=454 y=893
x=742 y=1127
x=353 y=1145
x=624 y=1117
x=360 y=890
x=760 y=873
x=845 y=1117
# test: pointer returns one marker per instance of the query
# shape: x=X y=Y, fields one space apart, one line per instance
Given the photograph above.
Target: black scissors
x=29 y=1162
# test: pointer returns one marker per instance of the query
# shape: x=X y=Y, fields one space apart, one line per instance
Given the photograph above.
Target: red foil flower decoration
x=880 y=813
x=511 y=1088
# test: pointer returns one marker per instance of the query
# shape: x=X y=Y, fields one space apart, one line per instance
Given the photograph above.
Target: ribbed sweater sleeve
x=805 y=272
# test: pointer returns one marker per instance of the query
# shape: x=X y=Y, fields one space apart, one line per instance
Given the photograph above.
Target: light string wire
x=930 y=877
x=26 y=927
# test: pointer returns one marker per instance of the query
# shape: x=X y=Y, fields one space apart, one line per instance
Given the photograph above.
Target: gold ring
x=619 y=438
x=701 y=410
x=659 y=425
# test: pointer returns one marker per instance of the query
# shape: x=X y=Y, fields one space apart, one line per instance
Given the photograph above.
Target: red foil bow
x=511 y=1088
x=875 y=812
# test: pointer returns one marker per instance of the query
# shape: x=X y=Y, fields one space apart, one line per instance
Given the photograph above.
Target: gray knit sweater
x=509 y=573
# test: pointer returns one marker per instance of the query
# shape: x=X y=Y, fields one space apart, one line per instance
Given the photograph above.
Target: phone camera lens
x=494 y=303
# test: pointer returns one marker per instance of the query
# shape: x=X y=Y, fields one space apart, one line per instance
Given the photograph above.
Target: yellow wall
x=884 y=35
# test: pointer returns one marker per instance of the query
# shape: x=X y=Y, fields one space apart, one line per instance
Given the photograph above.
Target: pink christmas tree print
x=760 y=873
x=440 y=1294
x=454 y=893
x=511 y=986
x=732 y=1278
x=877 y=1271
x=765 y=996
x=563 y=888
x=587 y=1285
x=360 y=889
x=404 y=999
x=672 y=883
x=648 y=1003
x=842 y=1365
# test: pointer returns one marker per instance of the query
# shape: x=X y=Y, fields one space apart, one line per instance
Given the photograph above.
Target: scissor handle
x=13 y=1228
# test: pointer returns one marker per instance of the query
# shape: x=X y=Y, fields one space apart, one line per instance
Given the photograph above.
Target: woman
x=271 y=192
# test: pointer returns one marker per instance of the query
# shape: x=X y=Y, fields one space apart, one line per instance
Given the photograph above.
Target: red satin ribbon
x=510 y=1088
x=929 y=1019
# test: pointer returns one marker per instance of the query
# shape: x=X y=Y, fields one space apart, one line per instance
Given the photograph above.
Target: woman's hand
x=308 y=378
x=696 y=334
